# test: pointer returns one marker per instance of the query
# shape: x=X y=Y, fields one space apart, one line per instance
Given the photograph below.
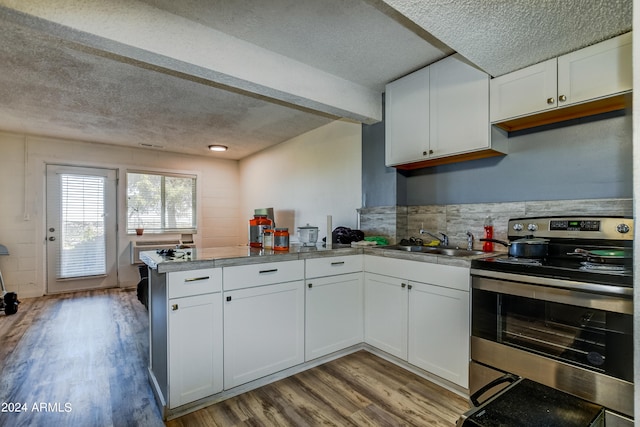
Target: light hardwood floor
x=84 y=356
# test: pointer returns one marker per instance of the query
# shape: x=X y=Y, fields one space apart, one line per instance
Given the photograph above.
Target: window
x=161 y=202
x=82 y=232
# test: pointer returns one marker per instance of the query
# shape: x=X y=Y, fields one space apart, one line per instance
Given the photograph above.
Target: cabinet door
x=439 y=331
x=333 y=315
x=596 y=71
x=385 y=314
x=459 y=97
x=195 y=348
x=530 y=90
x=407 y=118
x=263 y=331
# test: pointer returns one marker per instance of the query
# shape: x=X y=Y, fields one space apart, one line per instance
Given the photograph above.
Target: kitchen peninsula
x=227 y=320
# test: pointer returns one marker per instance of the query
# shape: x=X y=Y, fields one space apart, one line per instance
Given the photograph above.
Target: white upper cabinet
x=407 y=118
x=459 y=99
x=525 y=91
x=592 y=73
x=600 y=70
x=437 y=115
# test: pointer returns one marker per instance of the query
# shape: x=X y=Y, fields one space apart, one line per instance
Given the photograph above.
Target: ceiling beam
x=142 y=35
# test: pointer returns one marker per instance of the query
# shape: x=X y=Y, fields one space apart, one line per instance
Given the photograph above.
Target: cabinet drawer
x=330 y=266
x=246 y=276
x=194 y=282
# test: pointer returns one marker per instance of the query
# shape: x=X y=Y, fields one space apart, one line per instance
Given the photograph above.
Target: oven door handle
x=506 y=378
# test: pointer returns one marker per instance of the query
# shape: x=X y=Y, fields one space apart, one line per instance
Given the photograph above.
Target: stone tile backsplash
x=398 y=222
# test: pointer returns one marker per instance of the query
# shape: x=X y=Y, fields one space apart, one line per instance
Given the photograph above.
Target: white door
x=524 y=91
x=385 y=314
x=459 y=98
x=407 y=119
x=333 y=314
x=263 y=331
x=439 y=331
x=596 y=71
x=195 y=348
x=81 y=228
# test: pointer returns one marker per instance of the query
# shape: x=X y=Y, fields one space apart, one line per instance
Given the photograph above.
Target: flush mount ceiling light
x=218 y=147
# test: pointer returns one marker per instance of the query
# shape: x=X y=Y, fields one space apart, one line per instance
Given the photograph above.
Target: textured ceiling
x=179 y=76
x=501 y=36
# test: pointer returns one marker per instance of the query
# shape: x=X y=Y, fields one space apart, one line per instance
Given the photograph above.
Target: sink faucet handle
x=469 y=241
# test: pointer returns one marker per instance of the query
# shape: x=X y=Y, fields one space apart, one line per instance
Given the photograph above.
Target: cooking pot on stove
x=527 y=247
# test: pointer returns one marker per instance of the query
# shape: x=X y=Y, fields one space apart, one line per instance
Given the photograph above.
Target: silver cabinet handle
x=174 y=307
x=338 y=263
x=273 y=270
x=562 y=98
x=403 y=285
x=196 y=279
x=51 y=239
x=551 y=100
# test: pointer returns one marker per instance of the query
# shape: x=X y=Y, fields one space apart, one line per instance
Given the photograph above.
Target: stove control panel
x=610 y=228
x=575 y=225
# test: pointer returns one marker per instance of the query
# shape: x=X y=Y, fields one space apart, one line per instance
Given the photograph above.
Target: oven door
x=578 y=342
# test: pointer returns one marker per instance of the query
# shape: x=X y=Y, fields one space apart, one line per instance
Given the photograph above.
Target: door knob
x=51 y=239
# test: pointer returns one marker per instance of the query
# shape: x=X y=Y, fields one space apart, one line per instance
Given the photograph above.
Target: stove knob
x=532 y=227
x=622 y=228
x=518 y=227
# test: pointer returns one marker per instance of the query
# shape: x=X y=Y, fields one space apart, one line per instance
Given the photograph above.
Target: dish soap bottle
x=488 y=234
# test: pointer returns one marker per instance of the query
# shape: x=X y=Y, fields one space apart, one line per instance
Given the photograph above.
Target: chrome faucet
x=469 y=241
x=444 y=241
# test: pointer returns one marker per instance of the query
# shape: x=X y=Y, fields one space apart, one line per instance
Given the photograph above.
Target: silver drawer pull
x=196 y=279
x=337 y=263
x=273 y=270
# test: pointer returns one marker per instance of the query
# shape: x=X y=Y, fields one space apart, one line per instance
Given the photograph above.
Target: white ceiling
x=179 y=76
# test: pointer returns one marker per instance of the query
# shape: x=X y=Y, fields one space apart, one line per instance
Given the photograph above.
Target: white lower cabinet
x=439 y=331
x=194 y=325
x=424 y=324
x=195 y=350
x=385 y=314
x=333 y=315
x=263 y=331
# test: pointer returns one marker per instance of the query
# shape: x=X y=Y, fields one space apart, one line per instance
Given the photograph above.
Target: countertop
x=195 y=259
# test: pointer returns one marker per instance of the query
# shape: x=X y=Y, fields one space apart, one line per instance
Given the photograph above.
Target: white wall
x=306 y=178
x=23 y=161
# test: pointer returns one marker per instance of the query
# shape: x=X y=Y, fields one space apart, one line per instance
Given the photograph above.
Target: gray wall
x=588 y=158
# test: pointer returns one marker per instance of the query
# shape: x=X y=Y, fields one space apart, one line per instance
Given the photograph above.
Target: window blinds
x=83 y=241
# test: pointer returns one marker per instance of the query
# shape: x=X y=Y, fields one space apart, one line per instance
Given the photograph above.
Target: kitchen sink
x=435 y=250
